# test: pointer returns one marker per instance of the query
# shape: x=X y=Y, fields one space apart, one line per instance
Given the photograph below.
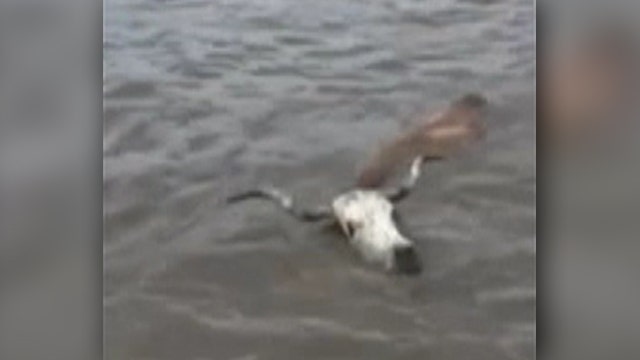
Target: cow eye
x=351 y=228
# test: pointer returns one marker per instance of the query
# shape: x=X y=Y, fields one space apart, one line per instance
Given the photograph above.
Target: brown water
x=203 y=98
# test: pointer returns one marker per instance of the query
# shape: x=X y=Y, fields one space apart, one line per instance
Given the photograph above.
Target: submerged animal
x=365 y=214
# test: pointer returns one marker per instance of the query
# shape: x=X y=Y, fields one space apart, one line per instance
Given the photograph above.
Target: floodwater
x=204 y=98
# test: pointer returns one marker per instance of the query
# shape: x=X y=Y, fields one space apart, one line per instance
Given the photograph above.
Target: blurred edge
x=50 y=241
x=591 y=252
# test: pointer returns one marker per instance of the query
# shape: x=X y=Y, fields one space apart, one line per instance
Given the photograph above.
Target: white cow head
x=366 y=217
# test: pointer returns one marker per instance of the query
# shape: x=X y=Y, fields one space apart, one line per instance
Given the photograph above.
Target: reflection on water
x=203 y=98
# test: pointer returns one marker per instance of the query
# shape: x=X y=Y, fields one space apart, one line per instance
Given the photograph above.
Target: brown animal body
x=436 y=137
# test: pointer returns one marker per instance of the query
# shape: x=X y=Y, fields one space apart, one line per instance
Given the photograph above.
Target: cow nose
x=406 y=260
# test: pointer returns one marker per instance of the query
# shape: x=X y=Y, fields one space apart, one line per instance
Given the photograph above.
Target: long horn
x=285 y=201
x=407 y=184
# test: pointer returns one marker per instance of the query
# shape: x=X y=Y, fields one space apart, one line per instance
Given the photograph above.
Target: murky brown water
x=203 y=98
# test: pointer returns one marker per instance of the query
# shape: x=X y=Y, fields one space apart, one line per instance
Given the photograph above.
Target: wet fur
x=435 y=138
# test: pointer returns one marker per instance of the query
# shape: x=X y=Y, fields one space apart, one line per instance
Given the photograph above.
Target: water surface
x=203 y=98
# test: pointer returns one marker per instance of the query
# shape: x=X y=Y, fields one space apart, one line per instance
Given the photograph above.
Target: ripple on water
x=203 y=98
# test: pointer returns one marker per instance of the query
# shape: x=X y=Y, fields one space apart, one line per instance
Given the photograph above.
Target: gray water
x=203 y=98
